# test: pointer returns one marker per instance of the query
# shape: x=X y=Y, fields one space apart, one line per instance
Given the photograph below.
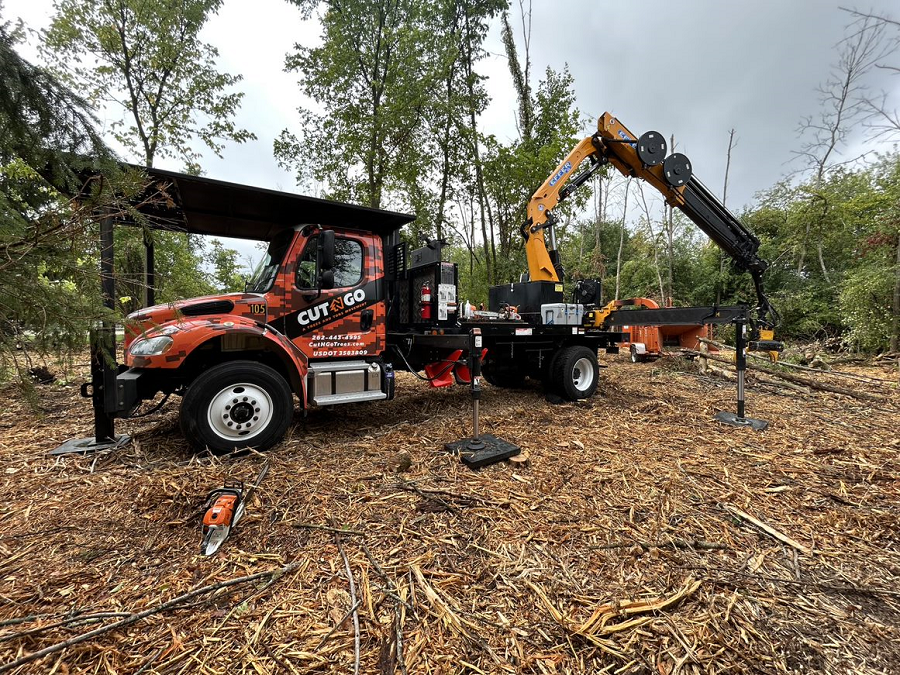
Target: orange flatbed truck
x=336 y=306
x=339 y=303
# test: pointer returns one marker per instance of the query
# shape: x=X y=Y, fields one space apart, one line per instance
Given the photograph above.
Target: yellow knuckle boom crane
x=643 y=157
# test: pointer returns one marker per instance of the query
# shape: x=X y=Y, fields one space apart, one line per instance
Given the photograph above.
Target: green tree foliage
x=514 y=171
x=146 y=57
x=49 y=293
x=397 y=99
x=181 y=257
x=373 y=76
x=227 y=269
x=869 y=296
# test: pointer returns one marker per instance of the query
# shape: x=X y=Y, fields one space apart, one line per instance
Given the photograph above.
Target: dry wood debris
x=640 y=537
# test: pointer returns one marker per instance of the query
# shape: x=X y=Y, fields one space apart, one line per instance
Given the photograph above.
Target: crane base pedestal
x=482 y=451
x=85 y=446
x=733 y=420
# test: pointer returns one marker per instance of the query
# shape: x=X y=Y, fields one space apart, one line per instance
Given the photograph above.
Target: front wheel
x=575 y=373
x=236 y=405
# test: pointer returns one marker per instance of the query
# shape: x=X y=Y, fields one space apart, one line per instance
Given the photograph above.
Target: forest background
x=392 y=115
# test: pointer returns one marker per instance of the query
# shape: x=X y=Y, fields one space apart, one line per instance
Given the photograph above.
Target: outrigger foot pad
x=735 y=421
x=482 y=451
x=85 y=446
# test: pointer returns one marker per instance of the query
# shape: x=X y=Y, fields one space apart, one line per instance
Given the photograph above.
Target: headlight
x=151 y=346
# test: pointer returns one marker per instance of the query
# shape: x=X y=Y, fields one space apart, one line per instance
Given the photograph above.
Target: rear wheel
x=236 y=405
x=574 y=373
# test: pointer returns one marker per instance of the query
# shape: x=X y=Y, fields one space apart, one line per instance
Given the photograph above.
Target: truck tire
x=547 y=373
x=236 y=405
x=575 y=373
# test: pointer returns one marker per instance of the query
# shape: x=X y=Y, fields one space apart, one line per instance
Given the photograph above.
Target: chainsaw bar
x=225 y=507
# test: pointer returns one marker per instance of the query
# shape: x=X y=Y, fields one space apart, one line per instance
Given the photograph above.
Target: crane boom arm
x=672 y=176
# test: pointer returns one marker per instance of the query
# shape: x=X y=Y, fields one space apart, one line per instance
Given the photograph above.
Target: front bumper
x=125 y=393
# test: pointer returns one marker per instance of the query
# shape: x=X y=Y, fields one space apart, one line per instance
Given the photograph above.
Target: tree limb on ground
x=820 y=386
x=133 y=618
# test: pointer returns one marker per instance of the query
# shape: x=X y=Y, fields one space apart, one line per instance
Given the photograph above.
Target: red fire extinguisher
x=426 y=302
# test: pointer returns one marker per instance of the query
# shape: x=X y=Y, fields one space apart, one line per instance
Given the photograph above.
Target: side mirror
x=325 y=251
x=326 y=280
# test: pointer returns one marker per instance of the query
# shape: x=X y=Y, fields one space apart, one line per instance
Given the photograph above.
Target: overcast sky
x=695 y=69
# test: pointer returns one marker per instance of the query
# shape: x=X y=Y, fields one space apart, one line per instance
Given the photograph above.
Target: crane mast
x=643 y=157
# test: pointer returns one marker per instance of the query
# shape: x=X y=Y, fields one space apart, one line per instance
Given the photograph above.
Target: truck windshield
x=264 y=275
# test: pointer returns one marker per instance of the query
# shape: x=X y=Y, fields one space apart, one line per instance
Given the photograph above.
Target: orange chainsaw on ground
x=224 y=507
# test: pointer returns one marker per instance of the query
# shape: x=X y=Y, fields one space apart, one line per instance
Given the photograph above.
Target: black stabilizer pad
x=735 y=421
x=85 y=446
x=494 y=450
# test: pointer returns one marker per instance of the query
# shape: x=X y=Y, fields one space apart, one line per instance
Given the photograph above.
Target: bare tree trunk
x=605 y=206
x=471 y=239
x=822 y=263
x=843 y=98
x=581 y=244
x=670 y=236
x=596 y=264
x=622 y=238
x=476 y=151
x=725 y=202
x=599 y=195
x=493 y=239
x=655 y=240
x=895 y=332
x=445 y=164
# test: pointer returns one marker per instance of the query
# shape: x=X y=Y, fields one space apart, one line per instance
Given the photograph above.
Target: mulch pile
x=640 y=537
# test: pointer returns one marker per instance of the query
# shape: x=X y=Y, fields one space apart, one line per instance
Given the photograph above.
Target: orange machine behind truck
x=647 y=343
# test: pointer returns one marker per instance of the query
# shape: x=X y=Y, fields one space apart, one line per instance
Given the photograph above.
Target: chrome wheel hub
x=240 y=411
x=583 y=374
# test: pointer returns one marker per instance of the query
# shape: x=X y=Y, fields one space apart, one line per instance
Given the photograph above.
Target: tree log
x=820 y=386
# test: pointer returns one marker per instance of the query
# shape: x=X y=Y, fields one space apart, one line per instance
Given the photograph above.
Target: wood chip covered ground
x=640 y=537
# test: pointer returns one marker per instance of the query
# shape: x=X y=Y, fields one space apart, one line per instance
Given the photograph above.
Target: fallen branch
x=391 y=589
x=394 y=593
x=354 y=608
x=410 y=487
x=759 y=578
x=446 y=493
x=771 y=531
x=599 y=622
x=441 y=608
x=133 y=618
x=84 y=618
x=23 y=619
x=821 y=386
x=149 y=662
x=797 y=366
x=350 y=612
x=398 y=641
x=325 y=528
x=695 y=544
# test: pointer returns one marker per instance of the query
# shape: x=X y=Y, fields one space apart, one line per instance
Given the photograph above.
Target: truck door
x=344 y=321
